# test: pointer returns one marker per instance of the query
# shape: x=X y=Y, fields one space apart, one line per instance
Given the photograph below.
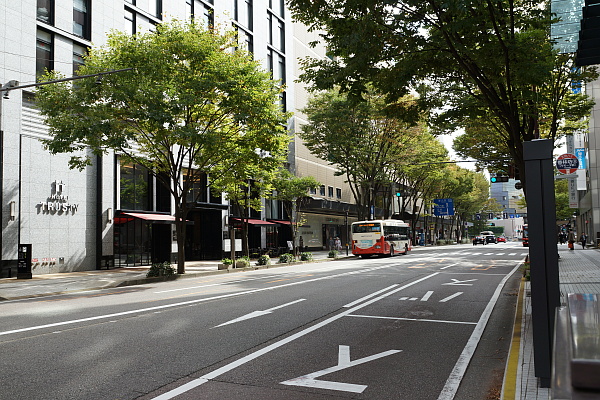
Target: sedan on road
x=479 y=240
x=501 y=239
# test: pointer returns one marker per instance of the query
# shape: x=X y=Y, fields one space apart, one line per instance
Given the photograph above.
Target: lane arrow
x=259 y=313
x=343 y=363
x=460 y=283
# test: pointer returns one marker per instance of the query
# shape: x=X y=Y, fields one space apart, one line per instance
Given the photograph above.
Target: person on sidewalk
x=583 y=239
x=571 y=240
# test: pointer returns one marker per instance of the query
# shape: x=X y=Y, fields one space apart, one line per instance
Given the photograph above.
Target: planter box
x=224 y=266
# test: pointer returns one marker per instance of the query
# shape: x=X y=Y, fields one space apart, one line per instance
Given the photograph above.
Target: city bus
x=381 y=237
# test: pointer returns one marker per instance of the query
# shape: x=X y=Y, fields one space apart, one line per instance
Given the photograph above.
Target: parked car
x=479 y=240
x=501 y=239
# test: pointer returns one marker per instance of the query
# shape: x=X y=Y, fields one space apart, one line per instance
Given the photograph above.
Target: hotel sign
x=58 y=201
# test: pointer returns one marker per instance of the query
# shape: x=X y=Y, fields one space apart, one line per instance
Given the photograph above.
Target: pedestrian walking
x=583 y=239
x=571 y=240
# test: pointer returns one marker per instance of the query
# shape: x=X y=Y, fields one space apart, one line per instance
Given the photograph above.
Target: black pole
x=543 y=252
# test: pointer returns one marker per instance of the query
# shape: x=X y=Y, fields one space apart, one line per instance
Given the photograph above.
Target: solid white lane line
x=449 y=390
x=355 y=302
x=142 y=310
x=414 y=319
x=226 y=368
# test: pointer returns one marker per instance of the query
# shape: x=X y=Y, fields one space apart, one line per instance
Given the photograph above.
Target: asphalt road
x=406 y=327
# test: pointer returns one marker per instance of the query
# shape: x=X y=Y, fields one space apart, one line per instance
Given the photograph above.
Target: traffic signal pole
x=543 y=252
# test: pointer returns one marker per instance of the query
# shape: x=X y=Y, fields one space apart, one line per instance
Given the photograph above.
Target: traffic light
x=498 y=178
x=398 y=194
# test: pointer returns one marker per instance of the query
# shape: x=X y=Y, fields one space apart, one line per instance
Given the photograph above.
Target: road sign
x=443 y=207
x=567 y=163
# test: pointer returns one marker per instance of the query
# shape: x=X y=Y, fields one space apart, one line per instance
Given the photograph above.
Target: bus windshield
x=366 y=228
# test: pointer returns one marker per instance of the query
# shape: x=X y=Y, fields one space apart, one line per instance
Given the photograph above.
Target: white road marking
x=512 y=254
x=450 y=297
x=427 y=296
x=226 y=368
x=460 y=283
x=369 y=296
x=448 y=266
x=184 y=303
x=255 y=314
x=343 y=363
x=449 y=390
x=414 y=319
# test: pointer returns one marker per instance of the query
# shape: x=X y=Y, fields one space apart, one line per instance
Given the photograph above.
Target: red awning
x=279 y=221
x=151 y=217
x=251 y=221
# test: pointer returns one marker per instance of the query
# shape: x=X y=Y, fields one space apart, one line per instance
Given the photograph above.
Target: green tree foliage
x=360 y=138
x=488 y=61
x=292 y=191
x=191 y=104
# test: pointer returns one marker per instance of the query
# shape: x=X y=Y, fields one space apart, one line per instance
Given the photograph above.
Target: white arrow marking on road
x=343 y=363
x=460 y=283
x=255 y=314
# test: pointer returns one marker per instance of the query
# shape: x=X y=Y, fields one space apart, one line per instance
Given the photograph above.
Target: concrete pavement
x=579 y=272
x=72 y=282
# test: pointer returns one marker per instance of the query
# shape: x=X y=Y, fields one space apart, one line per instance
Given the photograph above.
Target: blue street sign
x=443 y=207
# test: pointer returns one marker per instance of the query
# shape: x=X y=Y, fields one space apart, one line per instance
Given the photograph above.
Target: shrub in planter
x=306 y=256
x=242 y=262
x=226 y=261
x=333 y=254
x=264 y=260
x=286 y=258
x=163 y=269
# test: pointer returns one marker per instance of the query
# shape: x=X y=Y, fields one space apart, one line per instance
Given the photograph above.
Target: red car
x=501 y=239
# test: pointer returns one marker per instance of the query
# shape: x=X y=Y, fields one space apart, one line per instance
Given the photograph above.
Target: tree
x=292 y=191
x=478 y=58
x=360 y=138
x=191 y=103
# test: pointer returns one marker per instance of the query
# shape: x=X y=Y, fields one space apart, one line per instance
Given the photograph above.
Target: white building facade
x=80 y=220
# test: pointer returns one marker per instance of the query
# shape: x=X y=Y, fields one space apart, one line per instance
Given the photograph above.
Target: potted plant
x=242 y=262
x=225 y=263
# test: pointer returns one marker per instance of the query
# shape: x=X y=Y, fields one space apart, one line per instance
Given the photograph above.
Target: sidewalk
x=71 y=282
x=579 y=272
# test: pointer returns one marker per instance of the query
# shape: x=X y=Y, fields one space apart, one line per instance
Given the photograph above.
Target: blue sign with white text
x=580 y=154
x=443 y=207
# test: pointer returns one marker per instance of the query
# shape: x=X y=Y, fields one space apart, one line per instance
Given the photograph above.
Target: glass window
x=44 y=53
x=201 y=12
x=338 y=193
x=129 y=22
x=78 y=54
x=81 y=20
x=245 y=40
x=278 y=6
x=276 y=33
x=198 y=189
x=135 y=187
x=322 y=190
x=330 y=191
x=243 y=13
x=45 y=11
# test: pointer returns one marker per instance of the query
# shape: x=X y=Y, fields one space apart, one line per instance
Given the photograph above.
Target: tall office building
x=78 y=220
